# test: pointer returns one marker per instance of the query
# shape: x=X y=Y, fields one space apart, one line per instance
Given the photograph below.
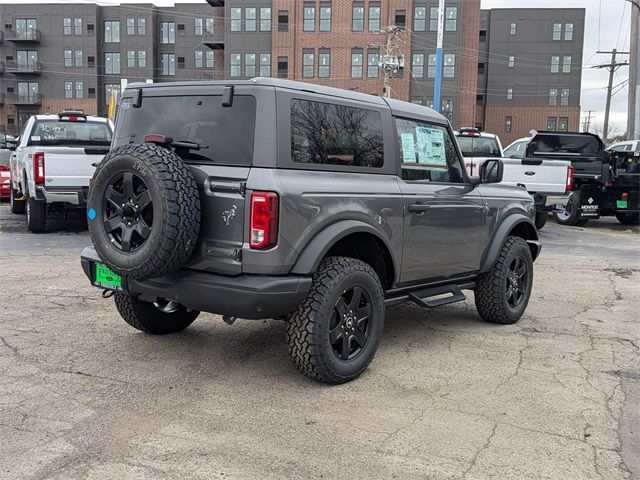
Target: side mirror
x=11 y=146
x=491 y=171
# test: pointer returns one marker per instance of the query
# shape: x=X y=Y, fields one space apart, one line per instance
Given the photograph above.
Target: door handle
x=419 y=207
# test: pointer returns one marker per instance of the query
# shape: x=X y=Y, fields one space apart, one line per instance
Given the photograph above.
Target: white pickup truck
x=548 y=181
x=53 y=163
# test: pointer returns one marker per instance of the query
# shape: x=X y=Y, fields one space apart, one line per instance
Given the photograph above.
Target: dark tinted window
x=325 y=133
x=225 y=134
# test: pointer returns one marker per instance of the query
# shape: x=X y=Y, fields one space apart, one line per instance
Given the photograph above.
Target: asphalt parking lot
x=85 y=396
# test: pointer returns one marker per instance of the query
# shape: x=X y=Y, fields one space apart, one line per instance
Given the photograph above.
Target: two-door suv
x=276 y=199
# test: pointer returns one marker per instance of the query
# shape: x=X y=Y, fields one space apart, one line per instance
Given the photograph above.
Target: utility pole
x=586 y=124
x=392 y=60
x=633 y=113
x=612 y=67
x=438 y=80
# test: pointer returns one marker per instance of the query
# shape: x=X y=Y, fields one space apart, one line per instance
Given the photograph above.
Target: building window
x=142 y=59
x=283 y=21
x=198 y=27
x=400 y=18
x=557 y=31
x=142 y=26
x=309 y=17
x=168 y=64
x=566 y=64
x=265 y=19
x=374 y=17
x=512 y=30
x=307 y=63
x=235 y=69
x=68 y=89
x=108 y=88
x=181 y=29
x=181 y=63
x=508 y=121
x=481 y=68
x=91 y=92
x=480 y=99
x=112 y=63
x=79 y=58
x=324 y=63
x=131 y=58
x=433 y=19
x=431 y=65
x=325 y=17
x=68 y=58
x=79 y=89
x=373 y=59
x=66 y=26
x=555 y=64
x=250 y=65
x=417 y=101
x=265 y=64
x=563 y=124
x=564 y=97
x=553 y=97
x=77 y=27
x=357 y=19
x=91 y=61
x=509 y=93
x=198 y=59
x=27 y=59
x=568 y=32
x=167 y=32
x=209 y=59
x=356 y=63
x=449 y=66
x=283 y=67
x=131 y=26
x=236 y=19
x=417 y=65
x=250 y=19
x=112 y=31
x=451 y=19
x=551 y=124
x=419 y=19
x=512 y=61
x=209 y=26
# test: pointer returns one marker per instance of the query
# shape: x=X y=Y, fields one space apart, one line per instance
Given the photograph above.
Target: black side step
x=421 y=297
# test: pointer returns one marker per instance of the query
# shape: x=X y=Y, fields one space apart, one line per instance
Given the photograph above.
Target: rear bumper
x=244 y=296
x=76 y=196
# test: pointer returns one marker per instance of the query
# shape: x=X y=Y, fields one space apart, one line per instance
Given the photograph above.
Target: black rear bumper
x=244 y=296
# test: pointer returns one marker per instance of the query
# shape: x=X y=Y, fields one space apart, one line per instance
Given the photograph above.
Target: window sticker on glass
x=408 y=147
x=431 y=146
x=35 y=138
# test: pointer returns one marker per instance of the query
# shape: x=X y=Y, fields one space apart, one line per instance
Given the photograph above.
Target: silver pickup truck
x=53 y=162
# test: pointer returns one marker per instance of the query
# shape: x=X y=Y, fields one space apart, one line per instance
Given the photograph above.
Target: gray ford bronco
x=276 y=199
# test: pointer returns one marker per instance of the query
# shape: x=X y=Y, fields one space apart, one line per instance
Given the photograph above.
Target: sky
x=606 y=27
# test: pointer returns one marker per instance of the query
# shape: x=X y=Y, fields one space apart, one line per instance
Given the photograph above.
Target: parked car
x=627 y=155
x=5 y=155
x=53 y=163
x=601 y=184
x=516 y=149
x=547 y=181
x=311 y=204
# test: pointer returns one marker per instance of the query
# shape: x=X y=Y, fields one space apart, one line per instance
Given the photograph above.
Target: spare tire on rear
x=143 y=211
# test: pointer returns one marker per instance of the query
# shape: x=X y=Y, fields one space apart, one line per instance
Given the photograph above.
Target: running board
x=422 y=297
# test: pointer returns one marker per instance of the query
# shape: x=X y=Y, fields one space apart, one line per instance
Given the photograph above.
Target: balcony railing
x=13 y=66
x=24 y=99
x=22 y=36
x=213 y=39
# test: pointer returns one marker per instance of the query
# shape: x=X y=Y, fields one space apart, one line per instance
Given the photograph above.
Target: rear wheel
x=17 y=202
x=627 y=218
x=36 y=215
x=154 y=318
x=570 y=213
x=333 y=335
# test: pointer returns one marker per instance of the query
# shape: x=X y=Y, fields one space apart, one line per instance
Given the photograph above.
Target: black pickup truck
x=601 y=184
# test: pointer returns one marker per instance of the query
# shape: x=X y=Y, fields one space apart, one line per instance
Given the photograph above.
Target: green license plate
x=105 y=278
x=621 y=204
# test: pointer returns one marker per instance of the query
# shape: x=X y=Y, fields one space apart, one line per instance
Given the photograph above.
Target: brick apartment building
x=506 y=70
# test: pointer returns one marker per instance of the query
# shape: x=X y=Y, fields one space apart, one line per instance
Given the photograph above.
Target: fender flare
x=313 y=253
x=508 y=224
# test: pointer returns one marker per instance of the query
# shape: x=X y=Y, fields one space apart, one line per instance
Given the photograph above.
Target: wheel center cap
x=128 y=211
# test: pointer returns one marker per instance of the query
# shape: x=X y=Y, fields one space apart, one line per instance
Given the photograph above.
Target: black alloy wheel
x=127 y=211
x=350 y=323
x=516 y=282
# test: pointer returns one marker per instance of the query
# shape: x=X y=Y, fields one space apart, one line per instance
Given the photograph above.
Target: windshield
x=223 y=134
x=479 y=146
x=55 y=132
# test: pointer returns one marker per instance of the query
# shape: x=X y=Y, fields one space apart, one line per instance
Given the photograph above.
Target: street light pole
x=633 y=114
x=437 y=86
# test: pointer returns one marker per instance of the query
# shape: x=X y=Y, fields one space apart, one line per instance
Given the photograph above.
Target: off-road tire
x=17 y=206
x=307 y=328
x=573 y=219
x=490 y=292
x=148 y=318
x=36 y=215
x=541 y=219
x=176 y=211
x=626 y=218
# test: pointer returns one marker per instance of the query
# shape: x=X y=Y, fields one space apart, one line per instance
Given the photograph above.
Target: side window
x=330 y=134
x=428 y=152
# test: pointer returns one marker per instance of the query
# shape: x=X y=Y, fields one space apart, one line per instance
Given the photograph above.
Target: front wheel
x=502 y=294
x=154 y=318
x=333 y=335
x=627 y=218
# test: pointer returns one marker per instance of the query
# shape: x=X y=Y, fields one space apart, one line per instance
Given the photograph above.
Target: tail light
x=570 y=171
x=38 y=167
x=264 y=220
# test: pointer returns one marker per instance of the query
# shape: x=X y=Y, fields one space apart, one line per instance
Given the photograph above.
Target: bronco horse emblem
x=229 y=215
